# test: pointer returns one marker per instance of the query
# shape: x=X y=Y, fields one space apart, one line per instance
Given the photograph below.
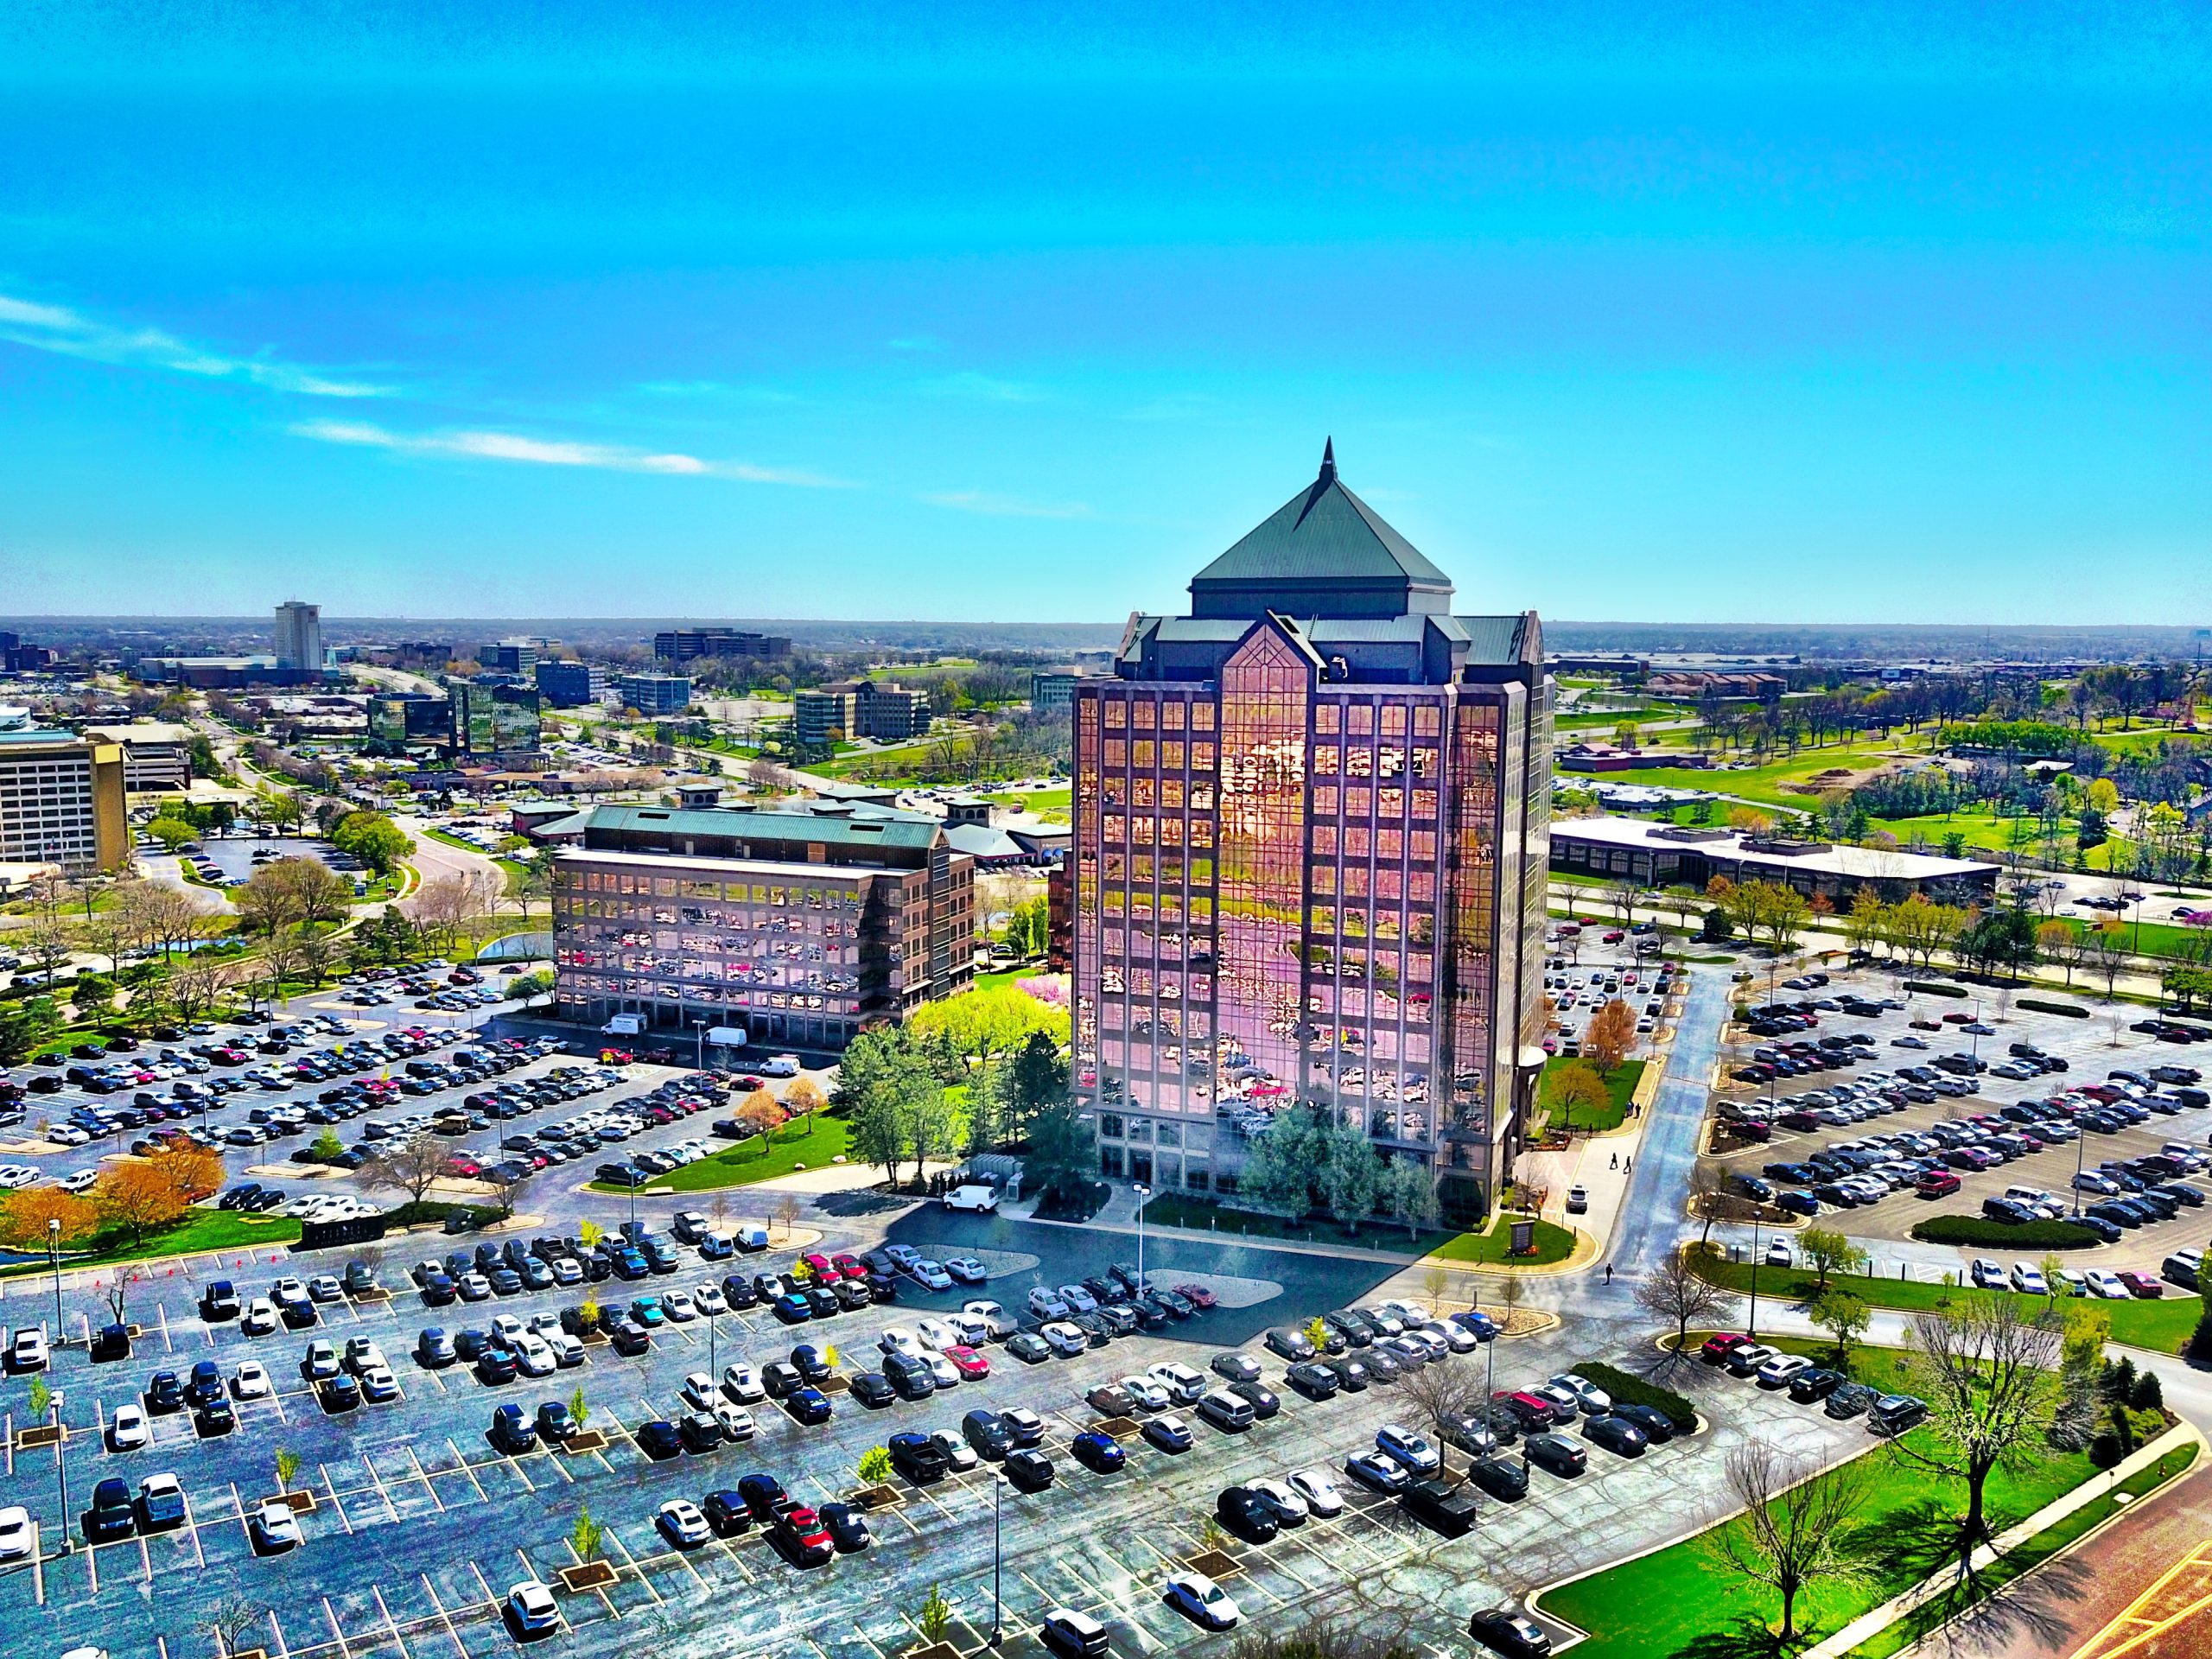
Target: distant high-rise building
x=61 y=801
x=299 y=635
x=1311 y=830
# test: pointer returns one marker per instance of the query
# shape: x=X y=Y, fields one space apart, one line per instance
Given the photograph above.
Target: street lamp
x=699 y=1044
x=60 y=1464
x=998 y=1491
x=1142 y=1192
x=1751 y=1326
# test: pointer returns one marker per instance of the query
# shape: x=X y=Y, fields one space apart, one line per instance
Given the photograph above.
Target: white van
x=977 y=1197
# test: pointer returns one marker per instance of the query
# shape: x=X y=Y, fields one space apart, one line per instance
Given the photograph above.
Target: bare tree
x=1989 y=1372
x=1797 y=1525
x=1442 y=1396
x=413 y=1166
x=507 y=1182
x=233 y=1619
x=1673 y=1292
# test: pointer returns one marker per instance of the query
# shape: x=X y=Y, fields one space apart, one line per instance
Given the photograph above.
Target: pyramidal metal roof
x=1323 y=534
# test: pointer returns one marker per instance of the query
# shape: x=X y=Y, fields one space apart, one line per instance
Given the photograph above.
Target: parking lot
x=418 y=1526
x=2044 y=1152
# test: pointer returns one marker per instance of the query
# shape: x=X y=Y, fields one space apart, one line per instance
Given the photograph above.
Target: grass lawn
x=814 y=1143
x=2161 y=1325
x=201 y=1229
x=2034 y=1552
x=1767 y=783
x=1554 y=1243
x=1618 y=1088
x=1055 y=804
x=1181 y=1210
x=1661 y=1603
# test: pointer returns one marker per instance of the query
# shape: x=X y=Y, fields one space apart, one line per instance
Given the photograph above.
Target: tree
x=288 y=1464
x=1674 y=1292
x=1441 y=1395
x=2080 y=1363
x=372 y=838
x=25 y=1025
x=2060 y=941
x=1796 y=1526
x=1407 y=1193
x=26 y=1217
x=172 y=833
x=758 y=1114
x=507 y=1182
x=1609 y=1035
x=1035 y=1078
x=1845 y=1316
x=1989 y=1373
x=934 y=1617
x=874 y=1466
x=1350 y=1176
x=1063 y=1151
x=231 y=1619
x=1576 y=1083
x=196 y=1171
x=803 y=1100
x=138 y=1198
x=586 y=1537
x=413 y=1166
x=1829 y=1252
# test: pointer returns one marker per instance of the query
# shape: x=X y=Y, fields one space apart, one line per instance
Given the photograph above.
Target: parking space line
x=330 y=1613
x=631 y=1561
x=477 y=1572
x=464 y=1469
x=93 y=1567
x=192 y=1526
x=276 y=1634
x=336 y=1503
x=390 y=1623
x=38 y=1562
x=422 y=1475
x=452 y=1635
x=369 y=1464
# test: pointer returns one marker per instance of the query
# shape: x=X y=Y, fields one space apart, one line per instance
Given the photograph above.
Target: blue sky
x=875 y=312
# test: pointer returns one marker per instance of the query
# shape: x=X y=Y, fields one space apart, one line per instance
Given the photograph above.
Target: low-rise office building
x=804 y=925
x=570 y=685
x=847 y=709
x=1674 y=854
x=655 y=694
x=682 y=645
x=156 y=755
x=61 y=802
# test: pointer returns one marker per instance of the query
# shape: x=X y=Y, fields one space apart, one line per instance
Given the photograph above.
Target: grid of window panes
x=1512 y=786
x=1375 y=799
x=1146 y=798
x=1475 y=807
x=1536 y=861
x=641 y=937
x=1260 y=995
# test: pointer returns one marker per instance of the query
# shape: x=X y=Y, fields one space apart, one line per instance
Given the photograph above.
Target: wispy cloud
x=72 y=334
x=981 y=387
x=716 y=389
x=1005 y=507
x=542 y=451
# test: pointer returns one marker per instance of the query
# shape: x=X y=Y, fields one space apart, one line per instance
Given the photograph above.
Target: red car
x=803 y=1537
x=1717 y=1348
x=1196 y=1295
x=466 y=1168
x=823 y=1269
x=966 y=1361
x=1615 y=936
x=1954 y=1018
x=2142 y=1284
x=849 y=1266
x=1940 y=1184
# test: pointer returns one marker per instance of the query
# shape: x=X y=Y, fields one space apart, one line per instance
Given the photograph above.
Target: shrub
x=2105 y=1450
x=2148 y=1393
x=2041 y=1006
x=2003 y=1234
x=1935 y=988
x=1629 y=1389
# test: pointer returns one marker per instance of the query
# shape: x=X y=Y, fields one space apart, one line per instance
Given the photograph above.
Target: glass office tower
x=1311 y=843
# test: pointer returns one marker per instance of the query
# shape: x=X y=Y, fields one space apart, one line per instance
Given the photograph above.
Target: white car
x=678 y=1305
x=274 y=1527
x=1320 y=1493
x=2028 y=1280
x=743 y=1383
x=1046 y=1303
x=1289 y=1507
x=931 y=1275
x=699 y=1391
x=1063 y=1338
x=77 y=1180
x=531 y=1609
x=957 y=1448
x=737 y=1422
x=259 y=1317
x=127 y=1430
x=1778 y=1372
x=1183 y=1384
x=16 y=1533
x=896 y=1339
x=1985 y=1274
x=681 y=1524
x=251 y=1382
x=936 y=1334
x=710 y=1301
x=1199 y=1598
x=943 y=1371
x=2106 y=1283
x=1591 y=1399
x=28 y=1352
x=1147 y=1393
x=567 y=1351
x=1078 y=1300
x=533 y=1357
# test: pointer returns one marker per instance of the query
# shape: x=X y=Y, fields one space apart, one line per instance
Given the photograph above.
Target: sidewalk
x=1876 y=1619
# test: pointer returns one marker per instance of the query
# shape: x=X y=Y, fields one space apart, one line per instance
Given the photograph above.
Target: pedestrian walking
x=1614 y=1162
x=1631 y=1164
x=1609 y=1272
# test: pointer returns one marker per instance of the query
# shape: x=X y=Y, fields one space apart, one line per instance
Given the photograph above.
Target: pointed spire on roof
x=1328 y=460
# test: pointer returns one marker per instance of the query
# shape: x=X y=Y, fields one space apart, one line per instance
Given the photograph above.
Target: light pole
x=2081 y=1146
x=60 y=1464
x=998 y=1492
x=1142 y=1192
x=699 y=1044
x=1751 y=1326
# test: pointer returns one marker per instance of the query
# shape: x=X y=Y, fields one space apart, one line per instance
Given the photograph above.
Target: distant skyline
x=1887 y=316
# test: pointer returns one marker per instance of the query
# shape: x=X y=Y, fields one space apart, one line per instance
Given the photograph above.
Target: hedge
x=1629 y=1389
x=1999 y=1235
x=2039 y=1007
x=1935 y=988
